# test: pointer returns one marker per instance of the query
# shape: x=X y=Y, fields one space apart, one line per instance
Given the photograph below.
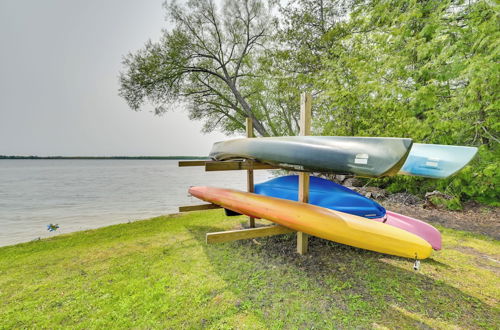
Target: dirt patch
x=474 y=218
x=483 y=260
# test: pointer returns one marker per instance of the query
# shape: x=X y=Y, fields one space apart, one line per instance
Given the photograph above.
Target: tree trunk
x=248 y=110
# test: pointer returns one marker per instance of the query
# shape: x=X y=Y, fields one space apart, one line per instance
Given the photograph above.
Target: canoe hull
x=436 y=161
x=321 y=222
x=362 y=156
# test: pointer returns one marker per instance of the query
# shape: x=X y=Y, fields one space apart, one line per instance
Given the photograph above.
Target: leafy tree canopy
x=429 y=70
x=208 y=61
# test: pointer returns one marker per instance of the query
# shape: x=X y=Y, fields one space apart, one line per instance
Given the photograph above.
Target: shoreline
x=465 y=220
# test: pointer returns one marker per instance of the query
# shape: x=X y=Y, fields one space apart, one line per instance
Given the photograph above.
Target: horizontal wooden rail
x=234 y=165
x=235 y=235
x=237 y=165
x=184 y=163
x=198 y=207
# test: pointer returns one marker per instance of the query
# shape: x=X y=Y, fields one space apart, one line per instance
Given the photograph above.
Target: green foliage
x=429 y=70
x=206 y=63
x=479 y=181
x=452 y=204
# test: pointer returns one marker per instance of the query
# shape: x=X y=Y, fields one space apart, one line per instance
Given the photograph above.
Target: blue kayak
x=322 y=193
x=436 y=160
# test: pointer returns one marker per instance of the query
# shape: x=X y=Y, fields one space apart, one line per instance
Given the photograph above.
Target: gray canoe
x=362 y=156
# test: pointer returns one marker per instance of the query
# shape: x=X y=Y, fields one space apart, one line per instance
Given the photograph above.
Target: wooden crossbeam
x=184 y=163
x=198 y=207
x=237 y=165
x=211 y=165
x=235 y=235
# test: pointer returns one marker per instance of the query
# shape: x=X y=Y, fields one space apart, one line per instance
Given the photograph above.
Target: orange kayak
x=320 y=222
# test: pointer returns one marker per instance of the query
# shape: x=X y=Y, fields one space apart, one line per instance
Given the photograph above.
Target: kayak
x=362 y=156
x=418 y=227
x=334 y=196
x=320 y=222
x=436 y=160
x=324 y=193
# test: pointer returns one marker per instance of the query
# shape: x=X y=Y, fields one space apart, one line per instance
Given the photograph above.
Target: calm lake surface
x=86 y=194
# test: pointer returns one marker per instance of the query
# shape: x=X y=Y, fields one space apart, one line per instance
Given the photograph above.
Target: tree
x=303 y=42
x=207 y=62
x=428 y=70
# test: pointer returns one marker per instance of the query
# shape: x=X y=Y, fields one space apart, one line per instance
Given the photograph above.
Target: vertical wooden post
x=250 y=187
x=305 y=129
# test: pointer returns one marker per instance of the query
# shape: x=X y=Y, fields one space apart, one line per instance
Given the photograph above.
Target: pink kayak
x=414 y=226
x=336 y=197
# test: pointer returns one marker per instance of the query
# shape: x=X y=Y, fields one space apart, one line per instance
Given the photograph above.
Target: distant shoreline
x=104 y=157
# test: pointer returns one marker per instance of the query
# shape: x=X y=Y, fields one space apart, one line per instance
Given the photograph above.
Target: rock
x=432 y=199
x=353 y=182
x=371 y=192
x=404 y=198
x=340 y=178
x=438 y=194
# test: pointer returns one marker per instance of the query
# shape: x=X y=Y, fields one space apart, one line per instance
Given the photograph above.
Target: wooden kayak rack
x=250 y=166
x=228 y=165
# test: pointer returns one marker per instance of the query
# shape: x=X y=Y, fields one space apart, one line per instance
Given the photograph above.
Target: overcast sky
x=59 y=67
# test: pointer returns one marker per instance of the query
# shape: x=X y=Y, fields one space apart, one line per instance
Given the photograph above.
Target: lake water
x=86 y=194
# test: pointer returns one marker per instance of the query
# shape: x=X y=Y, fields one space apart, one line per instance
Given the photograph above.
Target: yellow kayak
x=320 y=222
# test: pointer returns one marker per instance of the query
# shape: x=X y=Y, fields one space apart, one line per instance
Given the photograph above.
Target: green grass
x=159 y=273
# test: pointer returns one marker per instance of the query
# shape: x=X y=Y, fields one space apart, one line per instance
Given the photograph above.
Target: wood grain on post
x=305 y=129
x=250 y=183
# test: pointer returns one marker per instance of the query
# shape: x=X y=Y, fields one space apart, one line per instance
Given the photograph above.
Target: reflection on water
x=85 y=194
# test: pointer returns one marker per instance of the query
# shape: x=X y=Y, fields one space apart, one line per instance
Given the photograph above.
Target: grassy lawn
x=160 y=273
